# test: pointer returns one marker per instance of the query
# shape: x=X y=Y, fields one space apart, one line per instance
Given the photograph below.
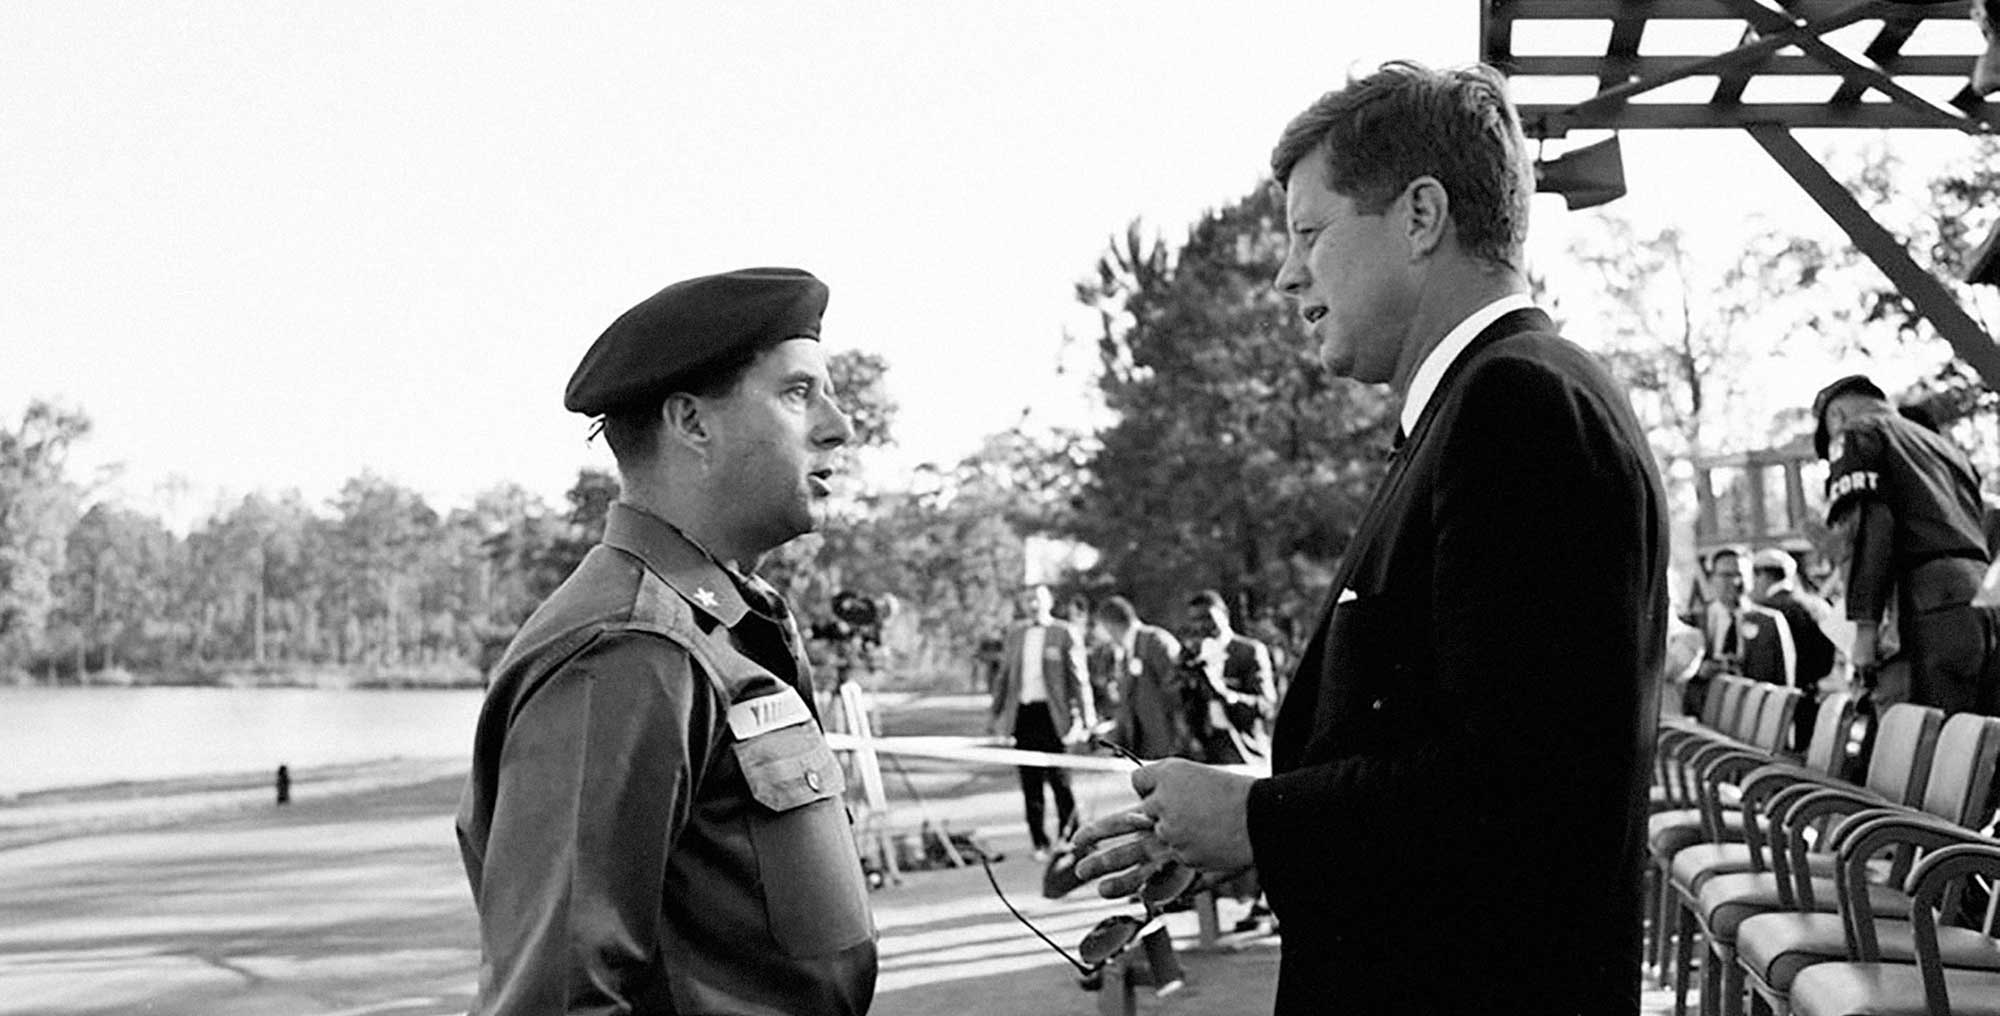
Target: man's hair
x=633 y=432
x=1117 y=610
x=1407 y=120
x=1208 y=599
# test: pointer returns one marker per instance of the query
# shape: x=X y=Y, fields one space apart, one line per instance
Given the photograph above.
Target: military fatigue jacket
x=1914 y=499
x=654 y=822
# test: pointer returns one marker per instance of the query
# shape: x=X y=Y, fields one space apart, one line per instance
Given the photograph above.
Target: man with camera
x=1231 y=696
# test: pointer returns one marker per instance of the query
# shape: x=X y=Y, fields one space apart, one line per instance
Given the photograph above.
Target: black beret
x=1852 y=384
x=675 y=333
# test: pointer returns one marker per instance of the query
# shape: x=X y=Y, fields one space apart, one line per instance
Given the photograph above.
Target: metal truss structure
x=1766 y=67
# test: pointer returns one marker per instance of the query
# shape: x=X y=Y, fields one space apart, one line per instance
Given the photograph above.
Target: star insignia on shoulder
x=704 y=597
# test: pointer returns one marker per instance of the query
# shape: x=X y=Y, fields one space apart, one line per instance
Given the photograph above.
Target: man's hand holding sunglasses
x=1188 y=813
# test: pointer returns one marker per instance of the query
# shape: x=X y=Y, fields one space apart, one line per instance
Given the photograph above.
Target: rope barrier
x=979 y=750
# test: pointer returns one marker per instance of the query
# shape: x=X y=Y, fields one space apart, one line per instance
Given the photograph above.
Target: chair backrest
x=1827 y=751
x=1774 y=721
x=1962 y=769
x=1734 y=696
x=1724 y=692
x=1751 y=710
x=1711 y=706
x=1905 y=739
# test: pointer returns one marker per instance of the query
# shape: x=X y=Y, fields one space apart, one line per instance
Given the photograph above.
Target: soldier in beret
x=1905 y=502
x=654 y=822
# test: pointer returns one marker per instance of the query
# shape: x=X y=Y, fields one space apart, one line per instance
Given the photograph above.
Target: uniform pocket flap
x=790 y=766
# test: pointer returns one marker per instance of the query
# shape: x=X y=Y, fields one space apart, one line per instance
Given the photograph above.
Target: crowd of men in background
x=1103 y=677
x=1063 y=680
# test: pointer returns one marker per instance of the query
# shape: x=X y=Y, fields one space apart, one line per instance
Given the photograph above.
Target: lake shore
x=47 y=815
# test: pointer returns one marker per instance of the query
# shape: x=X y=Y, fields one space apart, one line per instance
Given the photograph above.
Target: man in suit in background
x=1043 y=700
x=1774 y=583
x=1456 y=812
x=1152 y=694
x=1745 y=636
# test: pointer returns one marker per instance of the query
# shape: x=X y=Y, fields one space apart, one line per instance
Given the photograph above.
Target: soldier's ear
x=684 y=419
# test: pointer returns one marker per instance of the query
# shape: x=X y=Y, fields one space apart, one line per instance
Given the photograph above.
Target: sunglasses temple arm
x=995 y=883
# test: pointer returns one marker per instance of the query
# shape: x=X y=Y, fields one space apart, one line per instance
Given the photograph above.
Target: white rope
x=983 y=751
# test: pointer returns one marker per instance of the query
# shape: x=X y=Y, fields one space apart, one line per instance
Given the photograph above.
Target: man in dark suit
x=1152 y=697
x=1043 y=699
x=1774 y=582
x=1455 y=816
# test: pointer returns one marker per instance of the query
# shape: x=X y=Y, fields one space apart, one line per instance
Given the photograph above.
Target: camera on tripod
x=857 y=619
x=854 y=635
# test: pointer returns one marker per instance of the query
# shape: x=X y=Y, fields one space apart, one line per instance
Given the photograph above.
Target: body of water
x=69 y=737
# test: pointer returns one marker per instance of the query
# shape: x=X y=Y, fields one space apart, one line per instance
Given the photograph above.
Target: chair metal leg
x=1732 y=982
x=1649 y=914
x=1761 y=1006
x=1683 y=961
x=1711 y=981
x=1666 y=923
x=1673 y=929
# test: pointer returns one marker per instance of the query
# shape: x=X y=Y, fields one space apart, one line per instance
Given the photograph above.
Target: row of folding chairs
x=1811 y=895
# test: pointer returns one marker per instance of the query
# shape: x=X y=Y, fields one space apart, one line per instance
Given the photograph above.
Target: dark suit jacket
x=1062 y=675
x=1457 y=812
x=1152 y=696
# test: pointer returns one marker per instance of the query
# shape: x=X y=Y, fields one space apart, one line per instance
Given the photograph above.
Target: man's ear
x=684 y=420
x=1427 y=215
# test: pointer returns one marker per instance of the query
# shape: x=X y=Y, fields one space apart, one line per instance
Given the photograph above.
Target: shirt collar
x=679 y=561
x=1423 y=384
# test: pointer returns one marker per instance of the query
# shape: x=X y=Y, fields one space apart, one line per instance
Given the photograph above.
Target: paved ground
x=351 y=902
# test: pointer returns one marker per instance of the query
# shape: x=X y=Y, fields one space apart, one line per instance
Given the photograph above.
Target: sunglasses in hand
x=1114 y=934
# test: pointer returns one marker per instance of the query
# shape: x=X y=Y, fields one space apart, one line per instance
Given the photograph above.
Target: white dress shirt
x=1423 y=384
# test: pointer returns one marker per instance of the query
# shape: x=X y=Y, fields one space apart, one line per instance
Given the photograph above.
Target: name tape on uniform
x=765 y=713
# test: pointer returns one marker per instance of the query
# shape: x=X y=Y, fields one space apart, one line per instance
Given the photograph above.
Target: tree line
x=1231 y=460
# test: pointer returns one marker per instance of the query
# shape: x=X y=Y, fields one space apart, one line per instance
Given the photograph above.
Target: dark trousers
x=1035 y=730
x=1952 y=665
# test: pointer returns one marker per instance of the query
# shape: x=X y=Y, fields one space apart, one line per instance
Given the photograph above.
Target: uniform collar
x=1424 y=383
x=679 y=561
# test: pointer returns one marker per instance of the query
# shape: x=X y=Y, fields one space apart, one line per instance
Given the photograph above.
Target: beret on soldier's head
x=671 y=336
x=1852 y=384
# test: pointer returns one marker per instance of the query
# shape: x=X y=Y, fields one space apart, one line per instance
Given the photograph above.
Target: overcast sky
x=267 y=246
